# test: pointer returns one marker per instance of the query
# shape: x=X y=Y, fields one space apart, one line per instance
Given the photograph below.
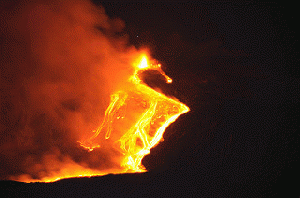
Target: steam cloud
x=60 y=61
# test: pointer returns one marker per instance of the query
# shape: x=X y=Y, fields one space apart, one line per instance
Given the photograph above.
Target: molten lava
x=145 y=120
x=74 y=97
x=134 y=122
x=142 y=112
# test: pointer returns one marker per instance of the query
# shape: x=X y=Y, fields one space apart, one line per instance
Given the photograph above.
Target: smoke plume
x=60 y=61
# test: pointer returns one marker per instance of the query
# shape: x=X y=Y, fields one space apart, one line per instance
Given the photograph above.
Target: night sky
x=234 y=65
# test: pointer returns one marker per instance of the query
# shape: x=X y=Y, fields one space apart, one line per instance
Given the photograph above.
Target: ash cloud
x=60 y=61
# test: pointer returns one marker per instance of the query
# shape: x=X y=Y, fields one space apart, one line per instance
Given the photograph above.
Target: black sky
x=234 y=65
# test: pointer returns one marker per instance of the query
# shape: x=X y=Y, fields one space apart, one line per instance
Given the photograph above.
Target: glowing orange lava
x=134 y=122
x=147 y=129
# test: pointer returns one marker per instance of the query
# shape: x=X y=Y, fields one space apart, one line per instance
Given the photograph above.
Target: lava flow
x=134 y=122
x=73 y=98
x=140 y=111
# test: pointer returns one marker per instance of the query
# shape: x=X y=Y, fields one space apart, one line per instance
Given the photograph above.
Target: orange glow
x=74 y=99
x=146 y=129
x=134 y=122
